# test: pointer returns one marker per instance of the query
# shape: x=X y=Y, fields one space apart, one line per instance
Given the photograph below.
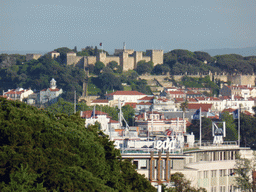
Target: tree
x=181 y=184
x=231 y=131
x=144 y=67
x=60 y=154
x=206 y=128
x=115 y=67
x=243 y=171
x=98 y=67
x=129 y=114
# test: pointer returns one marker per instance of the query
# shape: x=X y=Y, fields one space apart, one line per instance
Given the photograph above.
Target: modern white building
x=51 y=94
x=125 y=96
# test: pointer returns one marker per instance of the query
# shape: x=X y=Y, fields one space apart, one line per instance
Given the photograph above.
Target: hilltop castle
x=127 y=58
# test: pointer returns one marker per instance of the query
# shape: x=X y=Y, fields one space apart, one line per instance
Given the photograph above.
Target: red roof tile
x=100 y=101
x=204 y=107
x=147 y=98
x=88 y=114
x=133 y=105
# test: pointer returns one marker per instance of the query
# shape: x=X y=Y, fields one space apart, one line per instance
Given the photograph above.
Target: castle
x=127 y=58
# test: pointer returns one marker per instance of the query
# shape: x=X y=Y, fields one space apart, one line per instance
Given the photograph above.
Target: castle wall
x=223 y=78
x=89 y=60
x=106 y=59
x=126 y=62
x=112 y=58
x=32 y=56
x=74 y=60
x=146 y=58
x=119 y=51
x=137 y=57
x=157 y=56
x=127 y=58
x=242 y=79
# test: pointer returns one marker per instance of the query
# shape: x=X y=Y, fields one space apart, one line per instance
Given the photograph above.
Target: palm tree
x=184 y=106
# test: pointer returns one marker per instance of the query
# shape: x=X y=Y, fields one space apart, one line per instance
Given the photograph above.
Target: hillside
x=40 y=151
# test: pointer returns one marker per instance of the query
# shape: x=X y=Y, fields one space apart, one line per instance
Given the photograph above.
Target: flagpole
x=239 y=125
x=200 y=136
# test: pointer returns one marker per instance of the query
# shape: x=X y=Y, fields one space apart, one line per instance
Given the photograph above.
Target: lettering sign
x=165 y=145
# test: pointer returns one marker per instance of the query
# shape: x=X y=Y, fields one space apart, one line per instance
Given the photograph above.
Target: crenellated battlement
x=127 y=58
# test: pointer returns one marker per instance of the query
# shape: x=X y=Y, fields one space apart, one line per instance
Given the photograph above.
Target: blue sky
x=43 y=25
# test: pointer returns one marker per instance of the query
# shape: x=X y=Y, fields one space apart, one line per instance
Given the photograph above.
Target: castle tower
x=137 y=57
x=53 y=84
x=157 y=56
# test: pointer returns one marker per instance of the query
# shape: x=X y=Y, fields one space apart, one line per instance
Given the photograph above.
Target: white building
x=107 y=124
x=125 y=96
x=51 y=94
x=18 y=94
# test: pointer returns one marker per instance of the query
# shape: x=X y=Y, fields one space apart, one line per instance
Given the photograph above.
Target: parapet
x=30 y=56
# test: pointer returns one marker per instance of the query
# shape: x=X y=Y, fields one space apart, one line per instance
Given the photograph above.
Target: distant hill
x=248 y=51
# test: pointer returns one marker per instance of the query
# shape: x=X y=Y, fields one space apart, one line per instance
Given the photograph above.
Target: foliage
x=206 y=129
x=21 y=180
x=107 y=81
x=181 y=184
x=200 y=83
x=60 y=153
x=248 y=130
x=98 y=67
x=231 y=131
x=129 y=114
x=36 y=74
x=161 y=69
x=144 y=67
x=115 y=67
x=243 y=171
x=233 y=63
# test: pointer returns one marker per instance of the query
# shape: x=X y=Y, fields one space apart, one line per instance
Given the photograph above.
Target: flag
x=197 y=114
x=235 y=114
x=100 y=44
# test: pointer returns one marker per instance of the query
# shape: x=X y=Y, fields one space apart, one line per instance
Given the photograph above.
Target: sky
x=37 y=25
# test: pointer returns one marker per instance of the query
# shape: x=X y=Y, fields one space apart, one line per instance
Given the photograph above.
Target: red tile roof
x=147 y=98
x=126 y=93
x=229 y=110
x=54 y=89
x=179 y=100
x=144 y=103
x=88 y=114
x=176 y=92
x=133 y=105
x=204 y=107
x=100 y=101
x=113 y=121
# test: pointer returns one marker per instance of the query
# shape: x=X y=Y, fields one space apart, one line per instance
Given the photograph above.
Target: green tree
x=129 y=114
x=206 y=128
x=63 y=155
x=144 y=67
x=231 y=131
x=243 y=171
x=21 y=180
x=182 y=185
x=98 y=67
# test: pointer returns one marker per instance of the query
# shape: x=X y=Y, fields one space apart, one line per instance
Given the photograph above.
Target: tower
x=53 y=84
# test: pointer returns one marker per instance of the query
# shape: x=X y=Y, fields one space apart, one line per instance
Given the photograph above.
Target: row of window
x=215 y=173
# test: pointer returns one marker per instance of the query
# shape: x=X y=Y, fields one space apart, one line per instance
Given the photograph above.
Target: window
x=205 y=174
x=222 y=172
x=214 y=173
